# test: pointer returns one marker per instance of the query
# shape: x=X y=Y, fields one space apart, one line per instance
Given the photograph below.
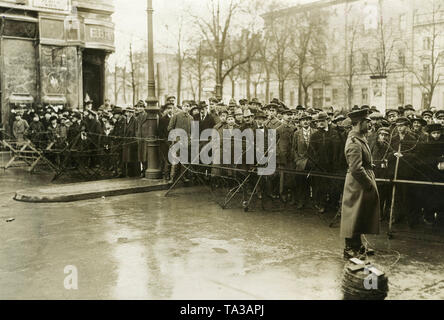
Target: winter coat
x=360 y=202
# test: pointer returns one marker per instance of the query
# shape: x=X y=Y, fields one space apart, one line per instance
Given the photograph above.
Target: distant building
x=54 y=52
x=409 y=26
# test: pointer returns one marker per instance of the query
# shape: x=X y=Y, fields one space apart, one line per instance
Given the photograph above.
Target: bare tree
x=124 y=84
x=216 y=32
x=279 y=41
x=196 y=67
x=381 y=62
x=351 y=37
x=180 y=58
x=134 y=74
x=266 y=61
x=308 y=48
x=250 y=43
x=234 y=74
x=116 y=86
x=427 y=67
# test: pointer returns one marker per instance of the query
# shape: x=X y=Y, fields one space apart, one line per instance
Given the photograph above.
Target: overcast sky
x=131 y=22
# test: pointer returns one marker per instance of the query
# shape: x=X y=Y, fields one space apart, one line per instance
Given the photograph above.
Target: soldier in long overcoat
x=360 y=202
x=130 y=147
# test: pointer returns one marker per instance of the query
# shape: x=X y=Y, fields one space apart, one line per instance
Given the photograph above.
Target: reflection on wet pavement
x=146 y=246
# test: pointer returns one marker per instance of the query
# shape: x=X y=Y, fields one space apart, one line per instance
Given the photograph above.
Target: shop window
x=21 y=29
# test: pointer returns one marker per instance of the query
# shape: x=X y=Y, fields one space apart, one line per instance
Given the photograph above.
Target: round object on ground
x=363 y=284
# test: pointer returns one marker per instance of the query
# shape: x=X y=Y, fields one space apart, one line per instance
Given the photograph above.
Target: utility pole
x=153 y=171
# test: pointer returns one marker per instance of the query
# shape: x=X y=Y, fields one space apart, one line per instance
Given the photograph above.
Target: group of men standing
x=310 y=145
x=310 y=150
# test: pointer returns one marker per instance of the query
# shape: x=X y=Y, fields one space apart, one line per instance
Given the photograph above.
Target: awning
x=54 y=100
x=19 y=98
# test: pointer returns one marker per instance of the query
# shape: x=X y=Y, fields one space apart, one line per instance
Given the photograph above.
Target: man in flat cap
x=418 y=125
x=207 y=120
x=403 y=146
x=322 y=149
x=439 y=117
x=427 y=115
x=284 y=137
x=409 y=111
x=301 y=145
x=392 y=115
x=360 y=202
x=380 y=154
x=273 y=122
x=432 y=165
x=130 y=150
x=164 y=121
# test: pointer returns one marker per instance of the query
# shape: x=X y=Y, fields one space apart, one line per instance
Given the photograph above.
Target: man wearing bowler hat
x=360 y=202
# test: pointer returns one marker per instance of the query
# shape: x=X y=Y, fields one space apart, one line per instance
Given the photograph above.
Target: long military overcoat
x=360 y=202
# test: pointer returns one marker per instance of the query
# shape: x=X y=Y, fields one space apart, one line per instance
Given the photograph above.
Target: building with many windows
x=378 y=52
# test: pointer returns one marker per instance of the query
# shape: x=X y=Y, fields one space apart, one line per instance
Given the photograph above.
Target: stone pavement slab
x=89 y=190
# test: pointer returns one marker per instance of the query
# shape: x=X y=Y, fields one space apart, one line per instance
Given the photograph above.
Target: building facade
x=378 y=52
x=54 y=52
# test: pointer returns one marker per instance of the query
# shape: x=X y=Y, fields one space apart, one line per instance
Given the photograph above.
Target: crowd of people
x=310 y=141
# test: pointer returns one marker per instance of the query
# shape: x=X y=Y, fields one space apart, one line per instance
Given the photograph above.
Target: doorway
x=93 y=65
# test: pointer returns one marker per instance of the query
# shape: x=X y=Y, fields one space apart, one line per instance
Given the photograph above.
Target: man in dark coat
x=284 y=137
x=339 y=164
x=301 y=145
x=142 y=124
x=130 y=146
x=75 y=129
x=403 y=146
x=321 y=153
x=360 y=201
x=418 y=125
x=432 y=165
x=181 y=120
x=117 y=146
x=380 y=154
x=206 y=119
x=272 y=122
x=164 y=143
x=36 y=131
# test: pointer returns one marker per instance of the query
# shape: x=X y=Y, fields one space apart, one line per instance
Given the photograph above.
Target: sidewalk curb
x=114 y=187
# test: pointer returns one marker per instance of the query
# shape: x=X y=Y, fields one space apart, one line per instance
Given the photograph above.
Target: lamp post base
x=154 y=174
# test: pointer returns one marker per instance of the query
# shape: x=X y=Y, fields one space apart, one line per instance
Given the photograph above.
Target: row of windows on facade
x=318 y=96
x=427 y=45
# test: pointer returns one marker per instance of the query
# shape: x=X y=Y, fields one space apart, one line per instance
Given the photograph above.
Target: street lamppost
x=153 y=171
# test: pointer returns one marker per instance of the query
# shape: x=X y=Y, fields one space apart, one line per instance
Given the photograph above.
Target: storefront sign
x=52 y=4
x=99 y=36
